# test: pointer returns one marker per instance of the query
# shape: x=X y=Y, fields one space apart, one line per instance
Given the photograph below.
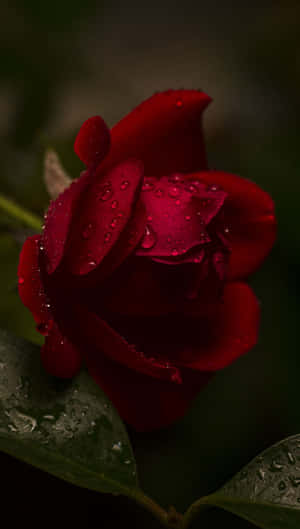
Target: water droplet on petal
x=175 y=178
x=159 y=193
x=106 y=194
x=174 y=191
x=147 y=186
x=149 y=218
x=125 y=184
x=21 y=281
x=174 y=252
x=87 y=231
x=92 y=263
x=212 y=187
x=177 y=202
x=45 y=327
x=226 y=230
x=149 y=239
x=179 y=103
x=188 y=217
x=114 y=204
x=107 y=237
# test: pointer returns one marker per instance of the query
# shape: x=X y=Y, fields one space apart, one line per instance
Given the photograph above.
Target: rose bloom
x=139 y=272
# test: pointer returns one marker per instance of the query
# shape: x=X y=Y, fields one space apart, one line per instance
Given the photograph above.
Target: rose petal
x=249 y=218
x=164 y=131
x=58 y=220
x=31 y=288
x=93 y=141
x=177 y=217
x=230 y=332
x=142 y=401
x=104 y=213
x=95 y=334
x=59 y=356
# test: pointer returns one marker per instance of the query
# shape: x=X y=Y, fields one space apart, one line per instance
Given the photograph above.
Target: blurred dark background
x=62 y=62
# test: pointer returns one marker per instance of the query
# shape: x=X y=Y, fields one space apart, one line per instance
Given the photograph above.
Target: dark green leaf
x=266 y=492
x=67 y=428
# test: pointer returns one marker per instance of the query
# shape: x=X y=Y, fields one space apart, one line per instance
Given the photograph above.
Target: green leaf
x=67 y=428
x=266 y=492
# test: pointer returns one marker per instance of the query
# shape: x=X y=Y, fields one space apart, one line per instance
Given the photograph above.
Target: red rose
x=139 y=271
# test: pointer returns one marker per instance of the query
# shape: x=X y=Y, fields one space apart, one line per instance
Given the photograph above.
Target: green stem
x=20 y=213
x=158 y=512
x=200 y=505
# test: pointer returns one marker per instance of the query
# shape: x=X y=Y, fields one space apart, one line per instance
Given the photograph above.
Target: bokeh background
x=64 y=61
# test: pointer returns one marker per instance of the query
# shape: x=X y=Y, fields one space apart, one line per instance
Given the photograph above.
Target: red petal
x=144 y=402
x=93 y=141
x=164 y=132
x=95 y=334
x=250 y=217
x=58 y=220
x=104 y=213
x=31 y=289
x=177 y=217
x=59 y=356
x=231 y=332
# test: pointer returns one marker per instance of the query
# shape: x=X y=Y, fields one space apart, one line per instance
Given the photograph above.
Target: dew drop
x=174 y=191
x=174 y=252
x=282 y=485
x=226 y=230
x=275 y=467
x=177 y=202
x=147 y=186
x=44 y=328
x=125 y=184
x=92 y=263
x=179 y=103
x=291 y=458
x=261 y=474
x=114 y=204
x=295 y=481
x=212 y=187
x=188 y=217
x=87 y=231
x=159 y=193
x=21 y=281
x=107 y=237
x=114 y=222
x=117 y=447
x=149 y=239
x=127 y=462
x=106 y=194
x=175 y=178
x=149 y=218
x=192 y=188
x=243 y=474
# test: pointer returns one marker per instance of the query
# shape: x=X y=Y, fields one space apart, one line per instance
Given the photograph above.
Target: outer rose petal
x=164 y=131
x=59 y=356
x=142 y=401
x=31 y=289
x=95 y=334
x=232 y=331
x=58 y=221
x=105 y=210
x=93 y=141
x=249 y=215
